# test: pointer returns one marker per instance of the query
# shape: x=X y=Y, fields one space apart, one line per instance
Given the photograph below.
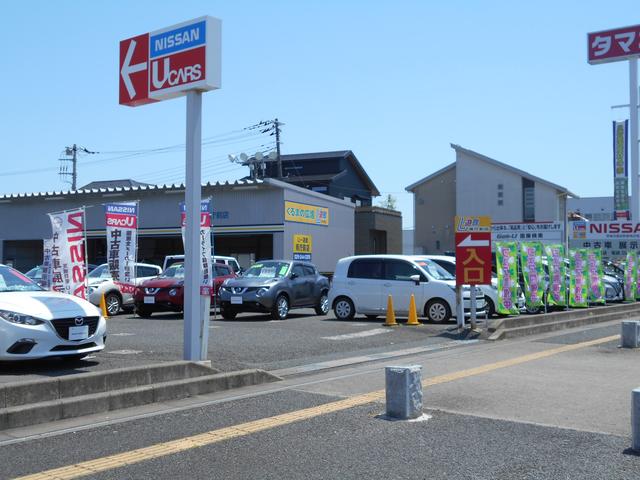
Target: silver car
x=275 y=287
x=115 y=297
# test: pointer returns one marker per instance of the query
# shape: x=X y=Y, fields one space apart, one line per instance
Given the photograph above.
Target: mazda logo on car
x=79 y=321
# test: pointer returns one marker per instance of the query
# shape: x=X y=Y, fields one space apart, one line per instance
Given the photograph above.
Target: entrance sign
x=183 y=59
x=169 y=62
x=302 y=247
x=473 y=250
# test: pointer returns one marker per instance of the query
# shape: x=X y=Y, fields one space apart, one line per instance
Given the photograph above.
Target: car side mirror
x=416 y=279
x=294 y=275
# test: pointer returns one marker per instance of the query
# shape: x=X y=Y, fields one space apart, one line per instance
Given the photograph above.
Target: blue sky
x=396 y=82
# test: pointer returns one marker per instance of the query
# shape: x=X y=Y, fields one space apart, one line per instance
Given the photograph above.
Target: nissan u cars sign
x=168 y=62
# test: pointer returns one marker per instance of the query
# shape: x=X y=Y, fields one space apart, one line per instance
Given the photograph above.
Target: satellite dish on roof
x=259 y=156
x=273 y=155
x=243 y=157
x=232 y=158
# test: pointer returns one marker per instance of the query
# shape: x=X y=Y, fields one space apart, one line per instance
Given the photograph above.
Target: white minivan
x=362 y=284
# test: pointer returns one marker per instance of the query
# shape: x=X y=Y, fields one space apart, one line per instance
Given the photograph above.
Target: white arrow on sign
x=128 y=69
x=469 y=242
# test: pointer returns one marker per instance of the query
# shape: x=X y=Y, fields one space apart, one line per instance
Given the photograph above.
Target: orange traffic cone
x=413 y=313
x=390 y=320
x=103 y=307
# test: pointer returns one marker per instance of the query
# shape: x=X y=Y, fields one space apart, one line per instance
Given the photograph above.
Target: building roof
x=496 y=163
x=348 y=154
x=113 y=184
x=247 y=184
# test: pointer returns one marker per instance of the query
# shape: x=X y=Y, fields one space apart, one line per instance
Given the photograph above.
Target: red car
x=165 y=293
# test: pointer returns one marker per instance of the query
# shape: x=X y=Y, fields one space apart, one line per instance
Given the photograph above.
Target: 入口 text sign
x=473 y=250
x=168 y=62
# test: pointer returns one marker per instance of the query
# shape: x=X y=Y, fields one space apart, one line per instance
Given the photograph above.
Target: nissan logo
x=79 y=321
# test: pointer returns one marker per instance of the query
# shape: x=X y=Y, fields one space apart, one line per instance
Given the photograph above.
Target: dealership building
x=252 y=220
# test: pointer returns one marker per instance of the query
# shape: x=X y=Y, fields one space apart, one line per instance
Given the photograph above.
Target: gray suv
x=275 y=287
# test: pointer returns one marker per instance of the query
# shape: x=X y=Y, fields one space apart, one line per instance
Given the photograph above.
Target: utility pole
x=277 y=125
x=73 y=153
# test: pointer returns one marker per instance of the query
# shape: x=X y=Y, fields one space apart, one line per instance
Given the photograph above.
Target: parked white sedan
x=36 y=323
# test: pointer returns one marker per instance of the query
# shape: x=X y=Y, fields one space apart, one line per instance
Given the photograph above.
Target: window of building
x=437 y=244
x=500 y=186
x=528 y=200
x=500 y=202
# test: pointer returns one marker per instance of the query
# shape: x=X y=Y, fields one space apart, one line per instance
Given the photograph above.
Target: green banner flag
x=557 y=275
x=596 y=273
x=631 y=277
x=579 y=276
x=533 y=274
x=507 y=269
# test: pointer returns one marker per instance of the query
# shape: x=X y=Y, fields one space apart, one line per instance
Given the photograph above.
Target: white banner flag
x=122 y=236
x=68 y=267
x=47 y=245
x=206 y=279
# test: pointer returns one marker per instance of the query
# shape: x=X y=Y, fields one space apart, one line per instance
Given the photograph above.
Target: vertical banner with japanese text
x=533 y=273
x=620 y=173
x=47 y=244
x=206 y=278
x=122 y=240
x=507 y=269
x=596 y=274
x=579 y=276
x=630 y=276
x=557 y=275
x=68 y=264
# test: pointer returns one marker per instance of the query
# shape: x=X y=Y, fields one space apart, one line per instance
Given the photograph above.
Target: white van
x=362 y=284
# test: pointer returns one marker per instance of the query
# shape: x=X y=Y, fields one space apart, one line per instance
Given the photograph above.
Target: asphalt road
x=524 y=415
x=249 y=341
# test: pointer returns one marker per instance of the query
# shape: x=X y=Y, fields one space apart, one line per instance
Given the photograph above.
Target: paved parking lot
x=249 y=341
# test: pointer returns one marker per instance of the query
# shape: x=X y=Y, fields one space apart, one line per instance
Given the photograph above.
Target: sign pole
x=193 y=339
x=459 y=307
x=633 y=126
x=472 y=295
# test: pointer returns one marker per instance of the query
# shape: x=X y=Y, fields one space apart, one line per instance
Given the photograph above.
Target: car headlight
x=261 y=291
x=19 y=318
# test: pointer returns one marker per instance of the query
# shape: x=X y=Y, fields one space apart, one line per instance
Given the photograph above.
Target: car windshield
x=100 y=272
x=35 y=273
x=174 y=271
x=434 y=270
x=267 y=270
x=13 y=281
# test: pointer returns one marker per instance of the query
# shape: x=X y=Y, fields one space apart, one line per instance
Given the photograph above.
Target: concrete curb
x=525 y=325
x=84 y=394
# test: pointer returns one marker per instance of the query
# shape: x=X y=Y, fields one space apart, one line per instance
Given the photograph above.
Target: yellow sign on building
x=302 y=213
x=302 y=244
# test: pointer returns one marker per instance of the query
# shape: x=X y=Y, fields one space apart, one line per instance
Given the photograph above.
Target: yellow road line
x=91 y=467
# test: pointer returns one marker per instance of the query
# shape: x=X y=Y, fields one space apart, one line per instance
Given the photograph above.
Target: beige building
x=478 y=185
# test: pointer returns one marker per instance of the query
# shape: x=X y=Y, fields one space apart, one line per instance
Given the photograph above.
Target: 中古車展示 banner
x=122 y=240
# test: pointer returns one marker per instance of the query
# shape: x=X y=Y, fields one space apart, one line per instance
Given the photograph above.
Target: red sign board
x=169 y=62
x=614 y=45
x=473 y=258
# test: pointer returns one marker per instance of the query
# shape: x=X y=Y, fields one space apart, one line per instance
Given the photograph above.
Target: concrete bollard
x=630 y=335
x=403 y=387
x=635 y=419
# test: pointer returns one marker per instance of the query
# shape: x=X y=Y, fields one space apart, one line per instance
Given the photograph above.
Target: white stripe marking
x=368 y=333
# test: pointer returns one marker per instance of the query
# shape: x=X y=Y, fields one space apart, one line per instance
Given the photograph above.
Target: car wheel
x=491 y=308
x=144 y=312
x=113 y=303
x=228 y=313
x=323 y=304
x=280 y=308
x=343 y=309
x=437 y=311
